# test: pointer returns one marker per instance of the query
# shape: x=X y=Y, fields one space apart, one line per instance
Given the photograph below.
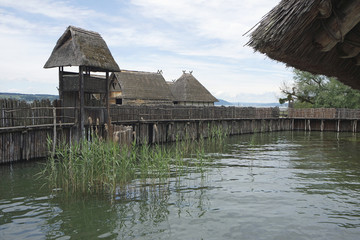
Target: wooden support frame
x=338 y=25
x=351 y=46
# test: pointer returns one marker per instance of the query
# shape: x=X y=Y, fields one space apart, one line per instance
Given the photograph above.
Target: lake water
x=285 y=185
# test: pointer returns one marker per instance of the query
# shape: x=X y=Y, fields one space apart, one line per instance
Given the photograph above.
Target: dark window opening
x=119 y=101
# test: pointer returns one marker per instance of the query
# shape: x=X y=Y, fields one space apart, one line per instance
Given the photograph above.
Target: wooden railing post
x=54 y=133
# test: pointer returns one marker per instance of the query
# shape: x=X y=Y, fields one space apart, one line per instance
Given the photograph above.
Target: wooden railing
x=148 y=113
x=324 y=113
x=15 y=113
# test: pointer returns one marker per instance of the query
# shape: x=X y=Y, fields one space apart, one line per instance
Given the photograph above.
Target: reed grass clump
x=98 y=166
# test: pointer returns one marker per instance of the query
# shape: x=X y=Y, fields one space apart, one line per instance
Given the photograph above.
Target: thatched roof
x=79 y=47
x=188 y=89
x=142 y=85
x=318 y=36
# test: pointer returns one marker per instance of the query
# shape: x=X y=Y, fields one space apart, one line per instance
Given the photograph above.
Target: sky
x=204 y=36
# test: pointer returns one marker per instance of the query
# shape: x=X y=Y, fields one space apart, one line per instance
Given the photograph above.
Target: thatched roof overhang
x=142 y=85
x=79 y=47
x=188 y=89
x=318 y=36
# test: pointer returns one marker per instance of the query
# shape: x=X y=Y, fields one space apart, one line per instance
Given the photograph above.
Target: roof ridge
x=136 y=71
x=78 y=29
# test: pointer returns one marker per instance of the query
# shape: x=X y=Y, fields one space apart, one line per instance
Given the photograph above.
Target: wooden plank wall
x=161 y=132
x=25 y=144
x=20 y=113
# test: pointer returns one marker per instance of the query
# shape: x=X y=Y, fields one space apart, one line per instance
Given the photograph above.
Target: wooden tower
x=82 y=90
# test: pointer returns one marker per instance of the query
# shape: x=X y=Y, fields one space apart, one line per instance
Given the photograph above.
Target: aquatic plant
x=103 y=166
x=217 y=132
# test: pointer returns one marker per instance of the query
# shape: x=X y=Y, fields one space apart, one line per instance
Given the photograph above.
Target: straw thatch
x=318 y=36
x=79 y=47
x=146 y=86
x=188 y=89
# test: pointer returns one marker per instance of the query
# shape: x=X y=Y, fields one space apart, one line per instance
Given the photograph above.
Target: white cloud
x=210 y=28
x=49 y=8
x=199 y=35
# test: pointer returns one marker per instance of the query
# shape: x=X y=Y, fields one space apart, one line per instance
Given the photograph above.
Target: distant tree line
x=318 y=91
x=28 y=97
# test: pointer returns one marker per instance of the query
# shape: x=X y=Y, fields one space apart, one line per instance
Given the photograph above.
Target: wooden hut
x=88 y=51
x=139 y=88
x=188 y=91
x=318 y=36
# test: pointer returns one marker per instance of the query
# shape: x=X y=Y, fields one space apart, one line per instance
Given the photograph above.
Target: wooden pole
x=107 y=102
x=61 y=83
x=82 y=103
x=61 y=88
x=338 y=25
x=54 y=133
x=355 y=126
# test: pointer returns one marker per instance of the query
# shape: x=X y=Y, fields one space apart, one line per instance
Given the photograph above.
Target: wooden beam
x=338 y=25
x=325 y=8
x=357 y=60
x=351 y=45
x=346 y=50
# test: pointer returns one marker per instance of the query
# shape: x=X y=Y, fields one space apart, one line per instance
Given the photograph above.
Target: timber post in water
x=86 y=92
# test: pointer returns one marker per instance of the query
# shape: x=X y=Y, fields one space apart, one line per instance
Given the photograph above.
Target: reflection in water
x=292 y=185
x=139 y=209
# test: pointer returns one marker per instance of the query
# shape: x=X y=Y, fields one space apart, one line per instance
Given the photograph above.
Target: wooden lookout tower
x=86 y=92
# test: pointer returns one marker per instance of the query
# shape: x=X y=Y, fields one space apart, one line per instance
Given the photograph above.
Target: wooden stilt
x=82 y=103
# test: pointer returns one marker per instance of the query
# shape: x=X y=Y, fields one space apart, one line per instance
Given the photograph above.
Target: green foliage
x=317 y=91
x=28 y=97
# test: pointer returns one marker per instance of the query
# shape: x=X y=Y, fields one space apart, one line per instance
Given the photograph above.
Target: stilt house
x=88 y=51
x=139 y=88
x=188 y=91
x=318 y=36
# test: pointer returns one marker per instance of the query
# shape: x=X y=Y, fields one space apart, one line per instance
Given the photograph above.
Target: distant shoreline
x=32 y=97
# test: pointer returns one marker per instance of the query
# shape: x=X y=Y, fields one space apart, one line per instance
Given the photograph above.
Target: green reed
x=103 y=166
x=217 y=132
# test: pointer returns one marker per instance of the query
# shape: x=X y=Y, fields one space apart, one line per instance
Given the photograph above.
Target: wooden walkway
x=26 y=128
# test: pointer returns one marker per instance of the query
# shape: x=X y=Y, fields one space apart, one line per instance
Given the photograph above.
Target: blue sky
x=203 y=36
